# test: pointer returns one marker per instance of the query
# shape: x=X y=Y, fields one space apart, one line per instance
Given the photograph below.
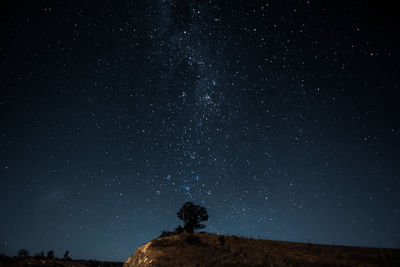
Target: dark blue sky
x=282 y=119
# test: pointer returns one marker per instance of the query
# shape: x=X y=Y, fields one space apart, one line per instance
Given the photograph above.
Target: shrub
x=166 y=233
x=24 y=253
x=66 y=255
x=178 y=230
x=50 y=254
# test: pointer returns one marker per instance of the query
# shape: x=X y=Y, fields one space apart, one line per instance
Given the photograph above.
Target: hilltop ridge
x=206 y=249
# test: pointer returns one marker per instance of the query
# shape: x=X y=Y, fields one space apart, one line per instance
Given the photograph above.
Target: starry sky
x=282 y=118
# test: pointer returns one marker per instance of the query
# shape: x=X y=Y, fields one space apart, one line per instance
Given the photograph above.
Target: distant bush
x=166 y=233
x=179 y=230
x=24 y=253
x=66 y=255
x=4 y=257
x=50 y=254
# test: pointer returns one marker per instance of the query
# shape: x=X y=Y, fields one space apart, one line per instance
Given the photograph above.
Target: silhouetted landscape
x=184 y=247
x=17 y=262
x=41 y=258
x=206 y=249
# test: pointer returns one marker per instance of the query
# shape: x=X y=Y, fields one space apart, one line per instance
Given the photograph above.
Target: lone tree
x=192 y=215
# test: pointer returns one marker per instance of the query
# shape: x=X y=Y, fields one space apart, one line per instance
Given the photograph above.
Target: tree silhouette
x=50 y=254
x=23 y=253
x=178 y=230
x=66 y=255
x=192 y=215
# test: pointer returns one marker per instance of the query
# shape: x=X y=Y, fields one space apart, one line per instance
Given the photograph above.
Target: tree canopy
x=192 y=215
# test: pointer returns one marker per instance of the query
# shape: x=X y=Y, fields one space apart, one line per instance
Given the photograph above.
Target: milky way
x=281 y=119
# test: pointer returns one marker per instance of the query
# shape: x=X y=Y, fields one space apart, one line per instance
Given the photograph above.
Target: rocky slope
x=204 y=249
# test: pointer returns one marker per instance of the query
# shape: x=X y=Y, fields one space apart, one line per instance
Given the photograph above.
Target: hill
x=205 y=249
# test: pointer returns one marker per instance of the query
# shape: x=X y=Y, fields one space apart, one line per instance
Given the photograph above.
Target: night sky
x=281 y=118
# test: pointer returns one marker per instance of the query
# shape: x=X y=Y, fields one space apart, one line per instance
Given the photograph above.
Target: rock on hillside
x=204 y=249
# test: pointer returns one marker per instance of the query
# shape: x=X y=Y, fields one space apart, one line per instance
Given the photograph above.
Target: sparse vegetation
x=49 y=260
x=35 y=262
